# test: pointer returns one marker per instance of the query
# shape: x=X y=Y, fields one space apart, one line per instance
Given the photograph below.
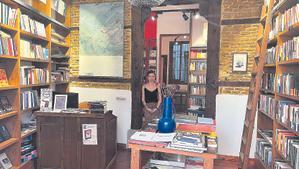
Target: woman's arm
x=159 y=96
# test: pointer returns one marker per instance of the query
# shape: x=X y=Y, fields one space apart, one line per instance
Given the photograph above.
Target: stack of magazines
x=189 y=142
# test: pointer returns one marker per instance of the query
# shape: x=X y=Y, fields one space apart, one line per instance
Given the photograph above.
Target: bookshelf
x=197 y=78
x=49 y=36
x=279 y=98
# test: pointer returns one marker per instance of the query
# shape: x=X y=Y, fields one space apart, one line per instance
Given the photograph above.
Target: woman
x=151 y=97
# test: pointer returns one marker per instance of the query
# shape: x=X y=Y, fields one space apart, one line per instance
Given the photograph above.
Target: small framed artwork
x=240 y=61
x=60 y=102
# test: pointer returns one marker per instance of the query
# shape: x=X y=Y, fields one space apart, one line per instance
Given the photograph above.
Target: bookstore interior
x=149 y=84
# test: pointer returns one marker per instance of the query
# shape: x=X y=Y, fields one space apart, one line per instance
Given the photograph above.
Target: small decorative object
x=4 y=161
x=60 y=102
x=166 y=123
x=46 y=99
x=146 y=3
x=3 y=78
x=240 y=62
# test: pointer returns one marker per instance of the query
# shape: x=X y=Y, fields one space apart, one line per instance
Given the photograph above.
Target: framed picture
x=60 y=102
x=46 y=99
x=240 y=61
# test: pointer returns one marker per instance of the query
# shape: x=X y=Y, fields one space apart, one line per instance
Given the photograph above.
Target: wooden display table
x=137 y=148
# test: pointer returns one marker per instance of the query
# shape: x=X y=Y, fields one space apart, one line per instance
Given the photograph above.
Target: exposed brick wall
x=237 y=9
x=237 y=38
x=74 y=50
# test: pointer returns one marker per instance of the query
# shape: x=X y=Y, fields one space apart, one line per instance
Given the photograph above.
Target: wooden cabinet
x=60 y=143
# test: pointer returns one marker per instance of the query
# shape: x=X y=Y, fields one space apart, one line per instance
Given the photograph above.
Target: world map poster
x=101 y=39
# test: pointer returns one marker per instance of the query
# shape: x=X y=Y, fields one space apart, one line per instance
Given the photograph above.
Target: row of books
x=271 y=56
x=288 y=114
x=8 y=15
x=197 y=101
x=34 y=51
x=198 y=65
x=29 y=99
x=288 y=84
x=7 y=44
x=201 y=79
x=264 y=151
x=28 y=150
x=198 y=55
x=268 y=81
x=30 y=25
x=32 y=75
x=198 y=90
x=284 y=21
x=267 y=104
x=288 y=146
x=289 y=50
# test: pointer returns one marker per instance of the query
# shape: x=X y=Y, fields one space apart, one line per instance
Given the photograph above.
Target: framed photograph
x=60 y=102
x=46 y=99
x=240 y=62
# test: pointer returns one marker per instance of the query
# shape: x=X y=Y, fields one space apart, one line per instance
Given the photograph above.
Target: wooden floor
x=122 y=161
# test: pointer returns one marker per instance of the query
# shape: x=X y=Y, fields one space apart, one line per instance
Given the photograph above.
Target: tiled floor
x=122 y=161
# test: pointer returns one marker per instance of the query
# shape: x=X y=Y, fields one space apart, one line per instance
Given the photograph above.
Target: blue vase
x=166 y=123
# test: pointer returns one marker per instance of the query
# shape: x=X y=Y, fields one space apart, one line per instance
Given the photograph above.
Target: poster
x=101 y=37
x=46 y=99
x=89 y=134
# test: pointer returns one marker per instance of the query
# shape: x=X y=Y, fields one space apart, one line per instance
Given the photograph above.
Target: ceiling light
x=185 y=37
x=196 y=16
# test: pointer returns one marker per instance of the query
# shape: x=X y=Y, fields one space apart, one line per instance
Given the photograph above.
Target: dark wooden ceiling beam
x=180 y=2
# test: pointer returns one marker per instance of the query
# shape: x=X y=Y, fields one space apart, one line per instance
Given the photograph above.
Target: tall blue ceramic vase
x=166 y=123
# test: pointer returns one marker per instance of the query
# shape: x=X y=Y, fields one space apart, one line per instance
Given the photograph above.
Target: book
x=288 y=84
x=34 y=51
x=8 y=15
x=268 y=81
x=3 y=78
x=46 y=100
x=5 y=163
x=267 y=104
x=289 y=50
x=32 y=75
x=264 y=151
x=7 y=44
x=32 y=26
x=29 y=99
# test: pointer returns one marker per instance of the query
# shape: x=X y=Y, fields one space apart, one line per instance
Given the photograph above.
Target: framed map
x=101 y=39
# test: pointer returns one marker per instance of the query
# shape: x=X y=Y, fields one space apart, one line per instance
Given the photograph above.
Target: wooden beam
x=180 y=2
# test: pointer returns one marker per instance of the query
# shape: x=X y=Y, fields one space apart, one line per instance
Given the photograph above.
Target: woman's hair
x=150 y=72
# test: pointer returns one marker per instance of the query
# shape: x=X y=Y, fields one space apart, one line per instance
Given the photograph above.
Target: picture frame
x=240 y=62
x=60 y=102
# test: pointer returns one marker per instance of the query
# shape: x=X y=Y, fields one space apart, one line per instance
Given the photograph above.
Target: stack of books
x=59 y=6
x=161 y=160
x=189 y=142
x=60 y=75
x=28 y=150
x=34 y=51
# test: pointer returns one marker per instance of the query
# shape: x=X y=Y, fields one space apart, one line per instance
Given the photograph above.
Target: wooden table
x=137 y=148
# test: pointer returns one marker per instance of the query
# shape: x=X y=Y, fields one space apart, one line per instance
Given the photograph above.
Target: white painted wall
x=117 y=100
x=230 y=115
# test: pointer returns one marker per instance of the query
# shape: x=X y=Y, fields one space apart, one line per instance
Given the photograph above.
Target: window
x=178 y=67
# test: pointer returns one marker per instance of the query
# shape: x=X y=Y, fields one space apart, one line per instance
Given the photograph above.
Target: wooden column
x=213 y=17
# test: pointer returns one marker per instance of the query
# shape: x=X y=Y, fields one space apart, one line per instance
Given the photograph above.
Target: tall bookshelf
x=280 y=83
x=56 y=22
x=197 y=78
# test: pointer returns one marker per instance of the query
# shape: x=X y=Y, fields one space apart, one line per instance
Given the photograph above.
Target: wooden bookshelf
x=265 y=121
x=261 y=162
x=44 y=14
x=29 y=133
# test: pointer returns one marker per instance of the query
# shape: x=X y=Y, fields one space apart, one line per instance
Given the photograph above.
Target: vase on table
x=166 y=123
